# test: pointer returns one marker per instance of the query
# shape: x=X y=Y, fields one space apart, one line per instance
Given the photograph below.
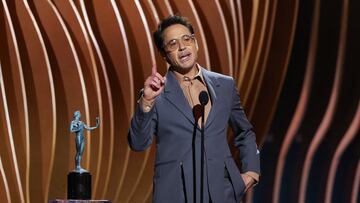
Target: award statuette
x=79 y=180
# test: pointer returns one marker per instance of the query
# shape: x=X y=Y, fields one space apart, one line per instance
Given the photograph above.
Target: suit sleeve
x=142 y=128
x=244 y=137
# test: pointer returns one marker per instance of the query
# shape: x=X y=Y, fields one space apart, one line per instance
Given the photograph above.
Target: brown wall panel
x=14 y=93
x=106 y=108
x=4 y=187
x=60 y=56
x=142 y=57
x=41 y=98
x=211 y=16
x=69 y=86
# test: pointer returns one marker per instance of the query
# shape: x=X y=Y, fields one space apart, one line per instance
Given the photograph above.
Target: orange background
x=294 y=63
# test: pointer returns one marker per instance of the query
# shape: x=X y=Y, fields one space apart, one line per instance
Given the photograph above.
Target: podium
x=78 y=201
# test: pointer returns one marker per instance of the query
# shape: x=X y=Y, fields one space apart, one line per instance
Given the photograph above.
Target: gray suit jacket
x=171 y=120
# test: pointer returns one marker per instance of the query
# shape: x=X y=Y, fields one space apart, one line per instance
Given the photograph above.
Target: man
x=167 y=109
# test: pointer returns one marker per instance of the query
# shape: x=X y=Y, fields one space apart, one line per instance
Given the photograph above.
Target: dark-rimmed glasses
x=174 y=44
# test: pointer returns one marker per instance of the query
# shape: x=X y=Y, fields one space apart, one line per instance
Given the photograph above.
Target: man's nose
x=181 y=45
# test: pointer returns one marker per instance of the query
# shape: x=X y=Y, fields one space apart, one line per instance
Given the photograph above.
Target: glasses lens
x=186 y=39
x=174 y=43
x=171 y=45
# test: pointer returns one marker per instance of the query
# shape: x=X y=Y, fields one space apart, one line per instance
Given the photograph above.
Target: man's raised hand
x=153 y=85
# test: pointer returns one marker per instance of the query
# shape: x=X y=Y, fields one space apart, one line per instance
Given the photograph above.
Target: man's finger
x=161 y=78
x=153 y=69
x=154 y=86
x=156 y=79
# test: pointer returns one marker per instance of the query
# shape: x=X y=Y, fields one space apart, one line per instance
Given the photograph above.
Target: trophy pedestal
x=79 y=186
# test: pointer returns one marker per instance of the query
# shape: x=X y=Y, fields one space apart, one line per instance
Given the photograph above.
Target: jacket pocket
x=183 y=185
x=167 y=182
x=235 y=178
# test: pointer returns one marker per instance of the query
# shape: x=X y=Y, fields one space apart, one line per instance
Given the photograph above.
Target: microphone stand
x=204 y=99
x=202 y=155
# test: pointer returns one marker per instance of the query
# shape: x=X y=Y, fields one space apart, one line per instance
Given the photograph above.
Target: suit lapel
x=174 y=94
x=212 y=85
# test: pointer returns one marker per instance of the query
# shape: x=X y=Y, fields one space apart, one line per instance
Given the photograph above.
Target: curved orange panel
x=231 y=20
x=69 y=88
x=245 y=72
x=4 y=187
x=240 y=17
x=40 y=101
x=255 y=53
x=211 y=16
x=330 y=110
x=49 y=142
x=270 y=81
x=145 y=181
x=138 y=35
x=152 y=17
x=301 y=106
x=345 y=141
x=164 y=8
x=86 y=56
x=114 y=54
x=107 y=101
x=14 y=91
x=356 y=186
x=58 y=56
x=80 y=74
x=5 y=194
x=10 y=167
x=258 y=66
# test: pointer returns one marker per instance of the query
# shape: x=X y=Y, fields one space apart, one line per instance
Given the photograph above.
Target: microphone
x=203 y=98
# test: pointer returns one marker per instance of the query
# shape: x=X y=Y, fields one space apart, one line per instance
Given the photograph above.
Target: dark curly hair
x=167 y=22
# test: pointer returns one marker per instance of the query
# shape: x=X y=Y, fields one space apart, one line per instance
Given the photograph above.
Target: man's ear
x=167 y=59
x=163 y=54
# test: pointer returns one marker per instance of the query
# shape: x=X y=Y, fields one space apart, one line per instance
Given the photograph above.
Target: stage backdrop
x=296 y=64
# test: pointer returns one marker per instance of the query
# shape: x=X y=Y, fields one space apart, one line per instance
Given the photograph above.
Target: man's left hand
x=248 y=180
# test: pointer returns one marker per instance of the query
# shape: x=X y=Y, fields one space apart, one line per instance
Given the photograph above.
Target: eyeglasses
x=174 y=44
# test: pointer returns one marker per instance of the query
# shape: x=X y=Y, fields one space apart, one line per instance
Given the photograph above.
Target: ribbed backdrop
x=296 y=63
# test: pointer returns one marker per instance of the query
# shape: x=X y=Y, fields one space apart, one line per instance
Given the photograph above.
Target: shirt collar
x=181 y=78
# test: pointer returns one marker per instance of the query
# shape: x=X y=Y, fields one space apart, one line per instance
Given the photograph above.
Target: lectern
x=78 y=201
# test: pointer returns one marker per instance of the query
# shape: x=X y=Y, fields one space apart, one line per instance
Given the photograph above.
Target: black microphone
x=203 y=98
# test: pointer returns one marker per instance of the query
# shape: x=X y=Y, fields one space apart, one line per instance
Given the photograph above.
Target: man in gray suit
x=168 y=110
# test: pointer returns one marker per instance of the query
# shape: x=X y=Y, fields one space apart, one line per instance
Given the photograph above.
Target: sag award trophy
x=79 y=180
